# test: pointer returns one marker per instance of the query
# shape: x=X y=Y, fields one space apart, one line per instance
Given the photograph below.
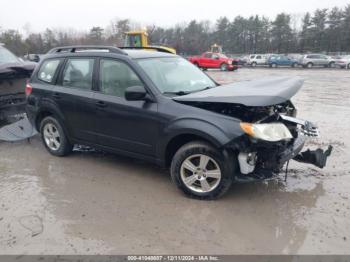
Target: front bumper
x=262 y=160
x=232 y=67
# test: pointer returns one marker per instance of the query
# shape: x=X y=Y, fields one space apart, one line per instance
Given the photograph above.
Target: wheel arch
x=46 y=110
x=177 y=137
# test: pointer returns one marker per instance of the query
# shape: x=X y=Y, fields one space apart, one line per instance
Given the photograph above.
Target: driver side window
x=116 y=77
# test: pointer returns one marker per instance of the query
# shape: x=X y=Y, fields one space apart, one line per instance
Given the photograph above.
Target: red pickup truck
x=214 y=60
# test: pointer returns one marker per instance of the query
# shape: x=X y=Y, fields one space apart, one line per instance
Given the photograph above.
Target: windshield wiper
x=182 y=93
x=178 y=93
x=206 y=88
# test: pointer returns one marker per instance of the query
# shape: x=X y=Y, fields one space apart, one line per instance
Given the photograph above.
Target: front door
x=130 y=126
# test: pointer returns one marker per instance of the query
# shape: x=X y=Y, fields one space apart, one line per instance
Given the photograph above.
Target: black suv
x=159 y=107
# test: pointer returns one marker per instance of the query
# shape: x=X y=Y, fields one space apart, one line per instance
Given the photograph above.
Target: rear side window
x=48 y=70
x=78 y=73
x=258 y=57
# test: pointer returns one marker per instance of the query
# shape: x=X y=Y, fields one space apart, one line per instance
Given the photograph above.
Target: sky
x=37 y=15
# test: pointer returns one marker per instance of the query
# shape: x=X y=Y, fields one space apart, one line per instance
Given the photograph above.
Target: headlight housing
x=272 y=132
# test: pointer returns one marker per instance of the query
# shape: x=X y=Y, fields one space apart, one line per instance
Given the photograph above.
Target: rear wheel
x=273 y=65
x=223 y=67
x=348 y=66
x=200 y=171
x=331 y=65
x=294 y=65
x=254 y=64
x=54 y=138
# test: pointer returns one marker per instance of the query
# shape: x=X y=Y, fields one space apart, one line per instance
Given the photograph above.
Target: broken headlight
x=269 y=132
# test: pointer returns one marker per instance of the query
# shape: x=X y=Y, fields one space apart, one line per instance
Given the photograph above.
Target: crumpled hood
x=262 y=92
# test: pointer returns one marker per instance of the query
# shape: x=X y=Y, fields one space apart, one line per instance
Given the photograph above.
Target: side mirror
x=136 y=93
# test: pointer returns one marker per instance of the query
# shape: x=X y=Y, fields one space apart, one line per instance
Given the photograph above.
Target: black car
x=159 y=107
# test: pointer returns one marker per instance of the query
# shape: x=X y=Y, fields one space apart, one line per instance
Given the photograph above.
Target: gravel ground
x=96 y=203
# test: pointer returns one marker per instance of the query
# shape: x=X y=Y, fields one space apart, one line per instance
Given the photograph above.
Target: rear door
x=129 y=126
x=73 y=95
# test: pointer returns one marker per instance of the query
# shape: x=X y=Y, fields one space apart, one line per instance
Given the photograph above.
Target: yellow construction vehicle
x=215 y=48
x=139 y=39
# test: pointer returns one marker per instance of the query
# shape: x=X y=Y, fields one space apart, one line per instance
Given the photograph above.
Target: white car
x=257 y=59
x=343 y=62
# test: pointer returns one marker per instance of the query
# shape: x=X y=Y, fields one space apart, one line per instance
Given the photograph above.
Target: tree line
x=324 y=30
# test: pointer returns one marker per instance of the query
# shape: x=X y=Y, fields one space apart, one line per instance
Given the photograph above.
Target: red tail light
x=28 y=90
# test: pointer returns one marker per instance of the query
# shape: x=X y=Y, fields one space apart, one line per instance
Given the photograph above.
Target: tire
x=254 y=64
x=223 y=67
x=274 y=65
x=348 y=66
x=331 y=65
x=294 y=65
x=196 y=187
x=196 y=64
x=309 y=65
x=54 y=137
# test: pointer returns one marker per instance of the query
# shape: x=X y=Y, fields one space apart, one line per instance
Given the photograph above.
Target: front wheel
x=54 y=138
x=309 y=65
x=200 y=171
x=294 y=65
x=223 y=67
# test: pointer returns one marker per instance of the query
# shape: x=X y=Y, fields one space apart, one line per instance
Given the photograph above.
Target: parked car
x=13 y=76
x=257 y=59
x=311 y=60
x=159 y=107
x=281 y=60
x=343 y=62
x=214 y=60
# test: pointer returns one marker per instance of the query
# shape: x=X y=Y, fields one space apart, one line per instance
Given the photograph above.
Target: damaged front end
x=278 y=138
x=14 y=124
x=273 y=140
x=272 y=134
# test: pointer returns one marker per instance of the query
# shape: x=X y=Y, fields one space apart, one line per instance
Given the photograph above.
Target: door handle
x=101 y=104
x=56 y=96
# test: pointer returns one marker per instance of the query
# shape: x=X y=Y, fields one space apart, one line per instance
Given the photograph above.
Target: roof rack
x=74 y=49
x=157 y=48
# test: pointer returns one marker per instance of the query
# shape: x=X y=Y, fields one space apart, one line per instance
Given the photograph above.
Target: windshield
x=175 y=75
x=7 y=57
